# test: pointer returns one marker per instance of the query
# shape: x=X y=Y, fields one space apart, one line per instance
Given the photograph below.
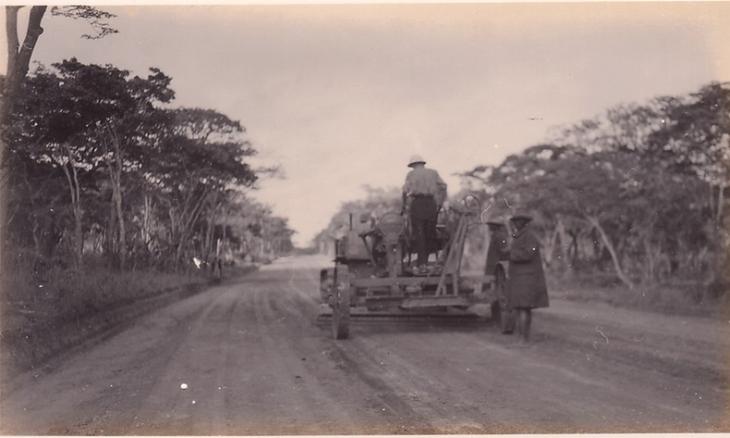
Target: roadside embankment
x=43 y=319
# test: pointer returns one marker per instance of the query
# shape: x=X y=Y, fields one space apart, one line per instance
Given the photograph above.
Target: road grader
x=374 y=272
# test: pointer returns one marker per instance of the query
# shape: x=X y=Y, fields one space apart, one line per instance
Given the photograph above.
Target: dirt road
x=250 y=358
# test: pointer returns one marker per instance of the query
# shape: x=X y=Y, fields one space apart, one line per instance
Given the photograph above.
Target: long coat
x=526 y=286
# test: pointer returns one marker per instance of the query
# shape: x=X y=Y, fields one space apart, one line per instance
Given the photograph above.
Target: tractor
x=374 y=272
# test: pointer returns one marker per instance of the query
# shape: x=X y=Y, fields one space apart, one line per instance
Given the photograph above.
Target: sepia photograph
x=367 y=218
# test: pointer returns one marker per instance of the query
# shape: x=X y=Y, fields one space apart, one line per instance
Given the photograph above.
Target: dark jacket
x=526 y=286
x=498 y=250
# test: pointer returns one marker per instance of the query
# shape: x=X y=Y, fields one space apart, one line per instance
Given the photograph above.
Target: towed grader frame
x=373 y=273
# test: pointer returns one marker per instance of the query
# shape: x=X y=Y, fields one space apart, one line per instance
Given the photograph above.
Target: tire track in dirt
x=395 y=387
x=398 y=413
x=96 y=390
x=665 y=355
x=165 y=407
x=664 y=337
x=544 y=381
x=257 y=362
x=327 y=394
x=204 y=401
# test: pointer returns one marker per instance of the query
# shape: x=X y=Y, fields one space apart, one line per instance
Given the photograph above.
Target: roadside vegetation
x=631 y=206
x=112 y=194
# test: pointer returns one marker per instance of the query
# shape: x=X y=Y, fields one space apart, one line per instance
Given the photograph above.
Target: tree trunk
x=174 y=220
x=78 y=237
x=596 y=247
x=111 y=238
x=549 y=244
x=37 y=245
x=650 y=264
x=564 y=245
x=207 y=247
x=573 y=249
x=614 y=256
x=210 y=230
x=18 y=61
x=78 y=217
x=114 y=165
x=720 y=204
x=146 y=231
x=120 y=235
x=19 y=56
x=188 y=219
x=224 y=234
x=69 y=169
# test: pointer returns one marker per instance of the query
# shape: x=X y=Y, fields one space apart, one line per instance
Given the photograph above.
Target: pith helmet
x=521 y=214
x=416 y=159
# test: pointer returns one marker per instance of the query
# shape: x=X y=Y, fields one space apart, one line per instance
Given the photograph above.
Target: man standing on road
x=526 y=288
x=423 y=194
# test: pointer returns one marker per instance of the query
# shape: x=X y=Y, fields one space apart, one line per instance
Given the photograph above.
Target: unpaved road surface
x=255 y=360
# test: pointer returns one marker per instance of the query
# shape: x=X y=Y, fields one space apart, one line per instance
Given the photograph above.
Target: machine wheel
x=501 y=311
x=341 y=304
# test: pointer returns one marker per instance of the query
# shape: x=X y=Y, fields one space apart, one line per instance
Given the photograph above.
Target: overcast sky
x=342 y=95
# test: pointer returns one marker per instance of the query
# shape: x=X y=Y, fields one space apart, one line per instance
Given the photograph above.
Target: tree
x=376 y=201
x=695 y=138
x=170 y=179
x=695 y=141
x=641 y=186
x=78 y=118
x=125 y=138
x=201 y=152
x=19 y=57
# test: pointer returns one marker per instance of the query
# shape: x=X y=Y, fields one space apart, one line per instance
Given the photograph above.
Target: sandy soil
x=255 y=360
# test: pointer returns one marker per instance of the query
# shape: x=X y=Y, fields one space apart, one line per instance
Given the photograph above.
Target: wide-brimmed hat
x=521 y=214
x=416 y=159
x=496 y=220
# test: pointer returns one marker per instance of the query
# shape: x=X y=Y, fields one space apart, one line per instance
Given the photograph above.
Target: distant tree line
x=98 y=163
x=376 y=202
x=639 y=191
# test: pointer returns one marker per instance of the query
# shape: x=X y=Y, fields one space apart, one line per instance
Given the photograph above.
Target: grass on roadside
x=672 y=298
x=69 y=294
x=41 y=315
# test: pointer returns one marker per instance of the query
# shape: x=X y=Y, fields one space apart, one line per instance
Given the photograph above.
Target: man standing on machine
x=423 y=194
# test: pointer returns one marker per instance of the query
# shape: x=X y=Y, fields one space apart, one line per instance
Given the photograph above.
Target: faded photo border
x=712 y=43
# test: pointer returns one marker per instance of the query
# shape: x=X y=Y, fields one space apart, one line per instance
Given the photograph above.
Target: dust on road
x=250 y=358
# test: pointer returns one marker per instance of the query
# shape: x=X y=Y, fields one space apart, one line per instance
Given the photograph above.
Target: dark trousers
x=424 y=214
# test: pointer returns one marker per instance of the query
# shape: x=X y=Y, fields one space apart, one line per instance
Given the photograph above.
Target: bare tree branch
x=98 y=19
